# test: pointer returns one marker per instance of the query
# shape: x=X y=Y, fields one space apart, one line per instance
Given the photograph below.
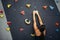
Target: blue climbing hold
x=57 y=30
x=51 y=7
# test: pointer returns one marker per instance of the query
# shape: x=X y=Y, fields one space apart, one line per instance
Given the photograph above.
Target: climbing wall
x=19 y=18
x=5 y=34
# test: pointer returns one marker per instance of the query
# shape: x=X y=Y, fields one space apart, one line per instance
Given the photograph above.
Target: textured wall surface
x=58 y=4
x=50 y=17
x=4 y=35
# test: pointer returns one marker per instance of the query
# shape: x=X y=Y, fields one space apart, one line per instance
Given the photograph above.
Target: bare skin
x=37 y=31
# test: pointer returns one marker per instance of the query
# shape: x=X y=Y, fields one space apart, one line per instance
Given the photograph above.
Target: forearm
x=40 y=19
x=37 y=32
x=34 y=21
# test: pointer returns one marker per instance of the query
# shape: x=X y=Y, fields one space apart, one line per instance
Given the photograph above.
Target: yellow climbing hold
x=8 y=5
x=8 y=29
x=32 y=35
x=28 y=5
x=1 y=15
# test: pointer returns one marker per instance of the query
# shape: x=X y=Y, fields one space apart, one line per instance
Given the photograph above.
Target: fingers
x=40 y=20
x=34 y=19
x=34 y=12
x=39 y=17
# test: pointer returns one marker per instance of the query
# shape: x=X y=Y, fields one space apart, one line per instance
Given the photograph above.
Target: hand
x=37 y=31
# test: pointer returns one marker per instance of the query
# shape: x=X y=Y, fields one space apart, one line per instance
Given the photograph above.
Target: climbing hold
x=44 y=7
x=22 y=12
x=9 y=22
x=1 y=15
x=1 y=12
x=8 y=29
x=21 y=29
x=8 y=5
x=28 y=5
x=16 y=0
x=51 y=7
x=57 y=24
x=27 y=21
x=57 y=30
x=32 y=35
